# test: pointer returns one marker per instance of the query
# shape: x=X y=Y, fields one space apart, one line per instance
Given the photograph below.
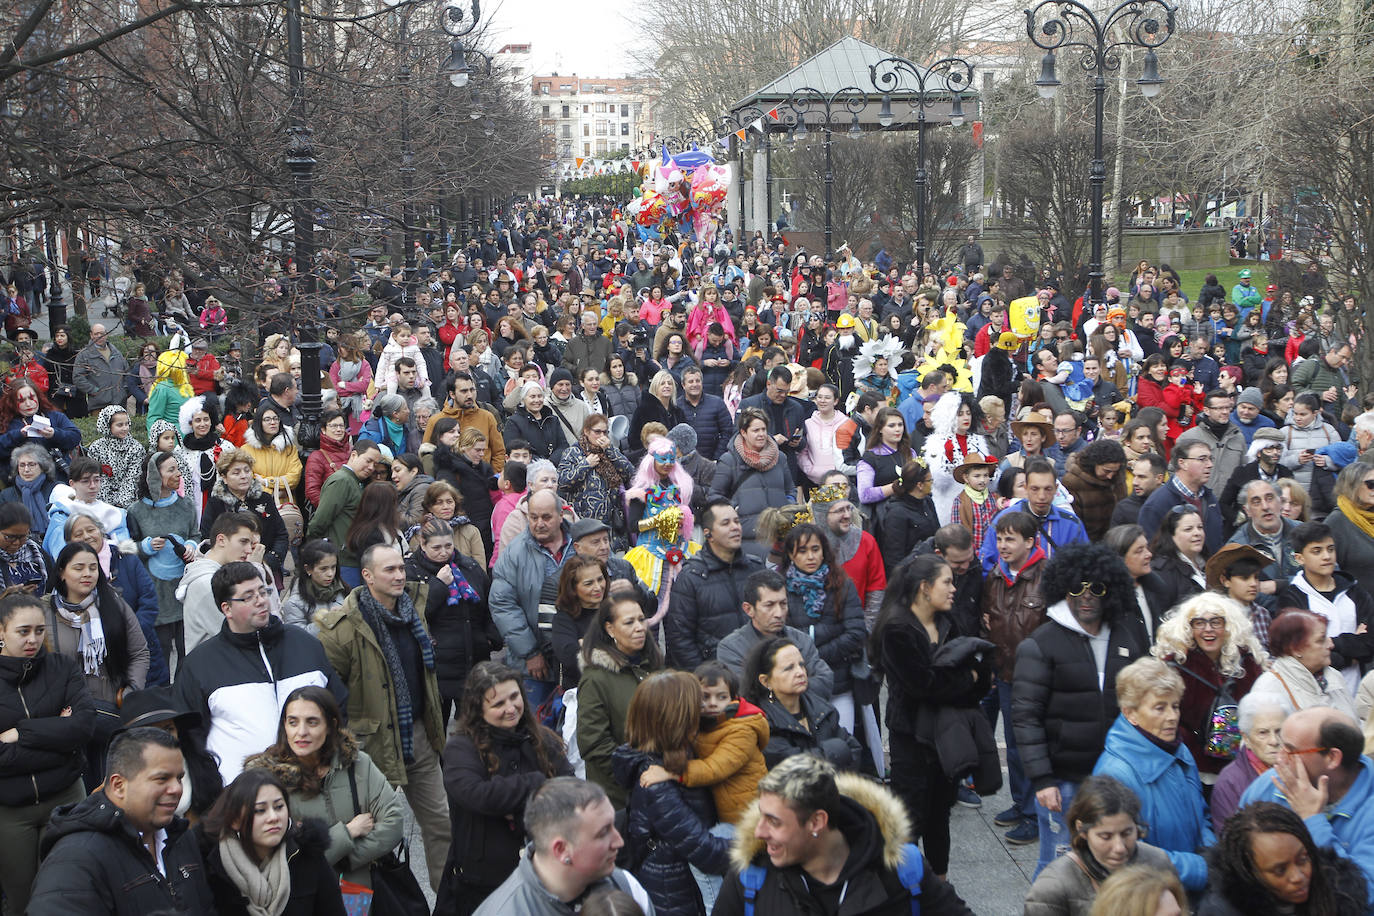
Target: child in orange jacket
x=729 y=757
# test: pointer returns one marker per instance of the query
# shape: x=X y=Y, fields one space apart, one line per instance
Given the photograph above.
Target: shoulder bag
x=395 y=890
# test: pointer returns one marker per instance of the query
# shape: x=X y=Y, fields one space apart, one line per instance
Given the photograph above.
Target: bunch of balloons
x=685 y=191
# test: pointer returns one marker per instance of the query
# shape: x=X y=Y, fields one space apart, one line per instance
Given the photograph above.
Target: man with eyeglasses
x=100 y=371
x=238 y=679
x=1191 y=467
x=1323 y=775
x=1068 y=439
x=1225 y=439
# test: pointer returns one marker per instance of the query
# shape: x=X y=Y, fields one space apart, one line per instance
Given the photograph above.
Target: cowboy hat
x=973 y=462
x=1033 y=418
x=1221 y=561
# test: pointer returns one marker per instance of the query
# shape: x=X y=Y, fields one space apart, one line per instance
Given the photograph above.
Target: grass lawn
x=1227 y=275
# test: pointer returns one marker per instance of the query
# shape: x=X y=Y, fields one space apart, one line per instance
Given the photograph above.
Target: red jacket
x=32 y=371
x=866 y=567
x=202 y=373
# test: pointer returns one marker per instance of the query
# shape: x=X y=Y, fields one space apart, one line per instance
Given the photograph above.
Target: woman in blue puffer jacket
x=668 y=823
x=1144 y=752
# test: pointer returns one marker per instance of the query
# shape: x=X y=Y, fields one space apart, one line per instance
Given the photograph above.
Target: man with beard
x=838 y=364
x=1148 y=473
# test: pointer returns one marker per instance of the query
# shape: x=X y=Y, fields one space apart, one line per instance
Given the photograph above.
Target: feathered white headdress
x=887 y=347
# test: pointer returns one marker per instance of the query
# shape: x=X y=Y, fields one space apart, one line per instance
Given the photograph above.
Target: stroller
x=123 y=288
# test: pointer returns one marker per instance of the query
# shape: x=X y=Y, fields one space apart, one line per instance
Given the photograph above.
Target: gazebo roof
x=843 y=65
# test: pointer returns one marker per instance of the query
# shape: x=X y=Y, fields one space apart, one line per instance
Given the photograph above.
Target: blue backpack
x=909 y=872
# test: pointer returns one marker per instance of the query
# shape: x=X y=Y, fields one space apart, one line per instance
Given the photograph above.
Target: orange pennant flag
x=741 y=132
x=579 y=162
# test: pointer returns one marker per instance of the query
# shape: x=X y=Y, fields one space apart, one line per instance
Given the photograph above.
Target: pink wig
x=647 y=475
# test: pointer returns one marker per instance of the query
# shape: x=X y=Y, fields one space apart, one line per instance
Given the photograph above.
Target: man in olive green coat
x=380 y=648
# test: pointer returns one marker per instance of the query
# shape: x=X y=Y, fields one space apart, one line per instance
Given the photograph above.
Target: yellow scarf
x=976 y=495
x=1360 y=518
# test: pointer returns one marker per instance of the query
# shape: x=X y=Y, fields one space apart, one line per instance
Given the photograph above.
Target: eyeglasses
x=1205 y=459
x=12 y=538
x=1302 y=751
x=1208 y=623
x=1096 y=588
x=252 y=597
x=1369 y=484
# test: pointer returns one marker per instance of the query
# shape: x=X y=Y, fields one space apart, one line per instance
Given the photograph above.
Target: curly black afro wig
x=1074 y=564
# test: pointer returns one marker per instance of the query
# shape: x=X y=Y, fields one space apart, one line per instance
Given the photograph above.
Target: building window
x=567 y=111
x=624 y=130
x=547 y=110
x=586 y=149
x=567 y=131
x=624 y=111
x=586 y=130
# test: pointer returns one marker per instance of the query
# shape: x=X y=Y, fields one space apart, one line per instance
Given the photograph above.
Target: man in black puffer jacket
x=1063 y=696
x=705 y=604
x=98 y=855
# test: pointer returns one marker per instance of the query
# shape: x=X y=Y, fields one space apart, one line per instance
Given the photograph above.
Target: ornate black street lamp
x=807 y=107
x=943 y=80
x=1068 y=24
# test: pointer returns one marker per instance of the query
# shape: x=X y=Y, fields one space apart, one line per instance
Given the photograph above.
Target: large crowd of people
x=680 y=580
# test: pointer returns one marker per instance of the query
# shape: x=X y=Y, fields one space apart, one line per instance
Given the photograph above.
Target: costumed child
x=666 y=525
x=973 y=507
x=950 y=444
x=120 y=455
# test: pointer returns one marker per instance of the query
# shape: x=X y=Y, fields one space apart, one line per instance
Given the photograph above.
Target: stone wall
x=1181 y=250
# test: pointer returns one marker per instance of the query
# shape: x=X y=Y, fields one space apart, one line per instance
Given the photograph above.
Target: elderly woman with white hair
x=534 y=422
x=1144 y=752
x=1209 y=640
x=1260 y=718
x=390 y=424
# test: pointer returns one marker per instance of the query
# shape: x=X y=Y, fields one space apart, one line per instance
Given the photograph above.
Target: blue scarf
x=396 y=433
x=459 y=590
x=811 y=587
x=35 y=502
x=376 y=617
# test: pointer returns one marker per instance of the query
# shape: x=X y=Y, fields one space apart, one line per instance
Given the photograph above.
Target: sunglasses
x=1369 y=484
x=1096 y=588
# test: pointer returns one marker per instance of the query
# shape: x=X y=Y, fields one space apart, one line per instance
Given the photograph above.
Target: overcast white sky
x=586 y=38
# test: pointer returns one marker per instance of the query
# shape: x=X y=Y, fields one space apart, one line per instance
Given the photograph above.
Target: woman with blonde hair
x=1144 y=753
x=659 y=406
x=1294 y=501
x=171 y=388
x=1139 y=890
x=277 y=352
x=1210 y=641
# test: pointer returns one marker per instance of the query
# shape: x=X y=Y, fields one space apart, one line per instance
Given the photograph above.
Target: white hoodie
x=1061 y=615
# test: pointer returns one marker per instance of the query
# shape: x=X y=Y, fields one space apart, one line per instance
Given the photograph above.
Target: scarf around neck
x=811 y=587
x=605 y=467
x=79 y=616
x=31 y=492
x=380 y=619
x=267 y=886
x=761 y=460
x=1360 y=518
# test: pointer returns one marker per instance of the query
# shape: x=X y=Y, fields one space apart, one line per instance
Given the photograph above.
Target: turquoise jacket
x=1346 y=826
x=1170 y=794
